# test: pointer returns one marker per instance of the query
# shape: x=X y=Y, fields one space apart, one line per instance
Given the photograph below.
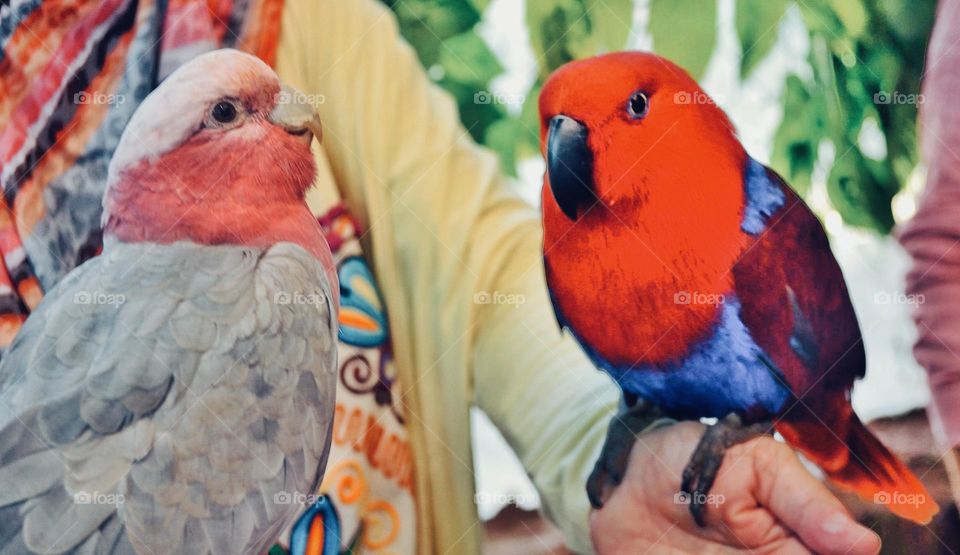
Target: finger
x=791 y=546
x=806 y=506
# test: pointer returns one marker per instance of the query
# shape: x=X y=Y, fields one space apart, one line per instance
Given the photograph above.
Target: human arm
x=444 y=232
x=442 y=228
x=933 y=233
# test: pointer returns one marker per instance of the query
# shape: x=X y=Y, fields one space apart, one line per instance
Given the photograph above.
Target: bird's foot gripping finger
x=611 y=466
x=701 y=471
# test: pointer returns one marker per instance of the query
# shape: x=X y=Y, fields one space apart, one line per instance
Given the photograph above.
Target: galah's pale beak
x=296 y=114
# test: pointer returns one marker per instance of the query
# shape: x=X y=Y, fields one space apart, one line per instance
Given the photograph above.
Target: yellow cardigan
x=444 y=226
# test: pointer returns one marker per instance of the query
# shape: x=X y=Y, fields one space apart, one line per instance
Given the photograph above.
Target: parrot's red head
x=219 y=153
x=642 y=199
x=634 y=128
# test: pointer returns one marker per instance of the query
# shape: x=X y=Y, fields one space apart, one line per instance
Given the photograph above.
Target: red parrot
x=699 y=281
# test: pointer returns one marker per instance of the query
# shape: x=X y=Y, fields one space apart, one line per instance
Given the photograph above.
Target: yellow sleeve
x=550 y=403
x=445 y=234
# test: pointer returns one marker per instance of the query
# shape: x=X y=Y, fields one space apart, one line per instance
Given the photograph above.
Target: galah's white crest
x=176 y=393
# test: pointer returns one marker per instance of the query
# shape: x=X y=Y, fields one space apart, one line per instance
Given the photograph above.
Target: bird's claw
x=701 y=471
x=611 y=465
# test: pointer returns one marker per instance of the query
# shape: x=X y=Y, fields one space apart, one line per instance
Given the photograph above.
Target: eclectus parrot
x=697 y=279
x=170 y=394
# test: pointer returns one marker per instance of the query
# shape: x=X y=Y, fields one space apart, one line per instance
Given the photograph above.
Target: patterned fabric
x=366 y=502
x=72 y=72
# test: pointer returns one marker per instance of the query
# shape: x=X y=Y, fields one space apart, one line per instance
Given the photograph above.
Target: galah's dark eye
x=638 y=105
x=224 y=112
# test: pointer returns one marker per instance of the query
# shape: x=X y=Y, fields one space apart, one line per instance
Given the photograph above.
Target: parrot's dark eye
x=224 y=112
x=638 y=105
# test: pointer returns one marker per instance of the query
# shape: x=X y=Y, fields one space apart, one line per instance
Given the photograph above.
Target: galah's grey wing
x=165 y=398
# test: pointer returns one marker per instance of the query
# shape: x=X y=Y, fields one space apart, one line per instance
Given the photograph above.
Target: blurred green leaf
x=909 y=20
x=684 y=32
x=477 y=111
x=559 y=32
x=502 y=137
x=480 y=5
x=467 y=59
x=798 y=138
x=820 y=18
x=442 y=18
x=530 y=123
x=610 y=21
x=427 y=23
x=758 y=24
x=852 y=14
x=856 y=193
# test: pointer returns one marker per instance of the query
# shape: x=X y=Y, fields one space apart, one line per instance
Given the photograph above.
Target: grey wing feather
x=162 y=396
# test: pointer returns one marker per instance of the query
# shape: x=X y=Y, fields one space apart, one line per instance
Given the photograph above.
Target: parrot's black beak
x=570 y=165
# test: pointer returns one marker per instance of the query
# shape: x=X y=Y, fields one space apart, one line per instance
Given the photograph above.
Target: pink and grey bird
x=699 y=281
x=165 y=394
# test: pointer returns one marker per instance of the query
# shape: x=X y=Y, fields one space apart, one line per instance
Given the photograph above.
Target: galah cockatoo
x=175 y=393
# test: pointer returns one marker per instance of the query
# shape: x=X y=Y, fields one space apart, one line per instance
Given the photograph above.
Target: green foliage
x=866 y=58
x=562 y=33
x=685 y=32
x=611 y=23
x=796 y=142
x=757 y=25
x=428 y=23
x=467 y=59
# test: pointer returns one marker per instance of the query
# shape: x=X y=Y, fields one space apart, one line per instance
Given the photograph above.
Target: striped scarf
x=72 y=72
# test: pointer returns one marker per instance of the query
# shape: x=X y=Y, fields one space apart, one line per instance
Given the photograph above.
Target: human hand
x=763 y=501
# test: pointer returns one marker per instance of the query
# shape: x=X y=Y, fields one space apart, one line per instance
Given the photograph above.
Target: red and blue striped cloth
x=72 y=72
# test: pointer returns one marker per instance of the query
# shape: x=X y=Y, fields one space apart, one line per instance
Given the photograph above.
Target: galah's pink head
x=219 y=153
x=213 y=155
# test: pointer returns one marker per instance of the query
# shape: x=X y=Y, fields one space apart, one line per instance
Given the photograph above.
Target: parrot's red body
x=695 y=276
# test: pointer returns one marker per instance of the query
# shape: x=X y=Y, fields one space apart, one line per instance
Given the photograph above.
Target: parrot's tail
x=864 y=466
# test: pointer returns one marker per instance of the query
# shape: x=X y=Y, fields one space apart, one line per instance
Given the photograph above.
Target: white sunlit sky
x=874 y=266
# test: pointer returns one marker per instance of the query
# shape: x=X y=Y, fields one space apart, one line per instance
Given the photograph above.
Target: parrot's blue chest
x=728 y=371
x=724 y=373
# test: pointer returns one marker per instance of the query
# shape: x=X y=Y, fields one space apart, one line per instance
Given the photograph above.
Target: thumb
x=805 y=506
